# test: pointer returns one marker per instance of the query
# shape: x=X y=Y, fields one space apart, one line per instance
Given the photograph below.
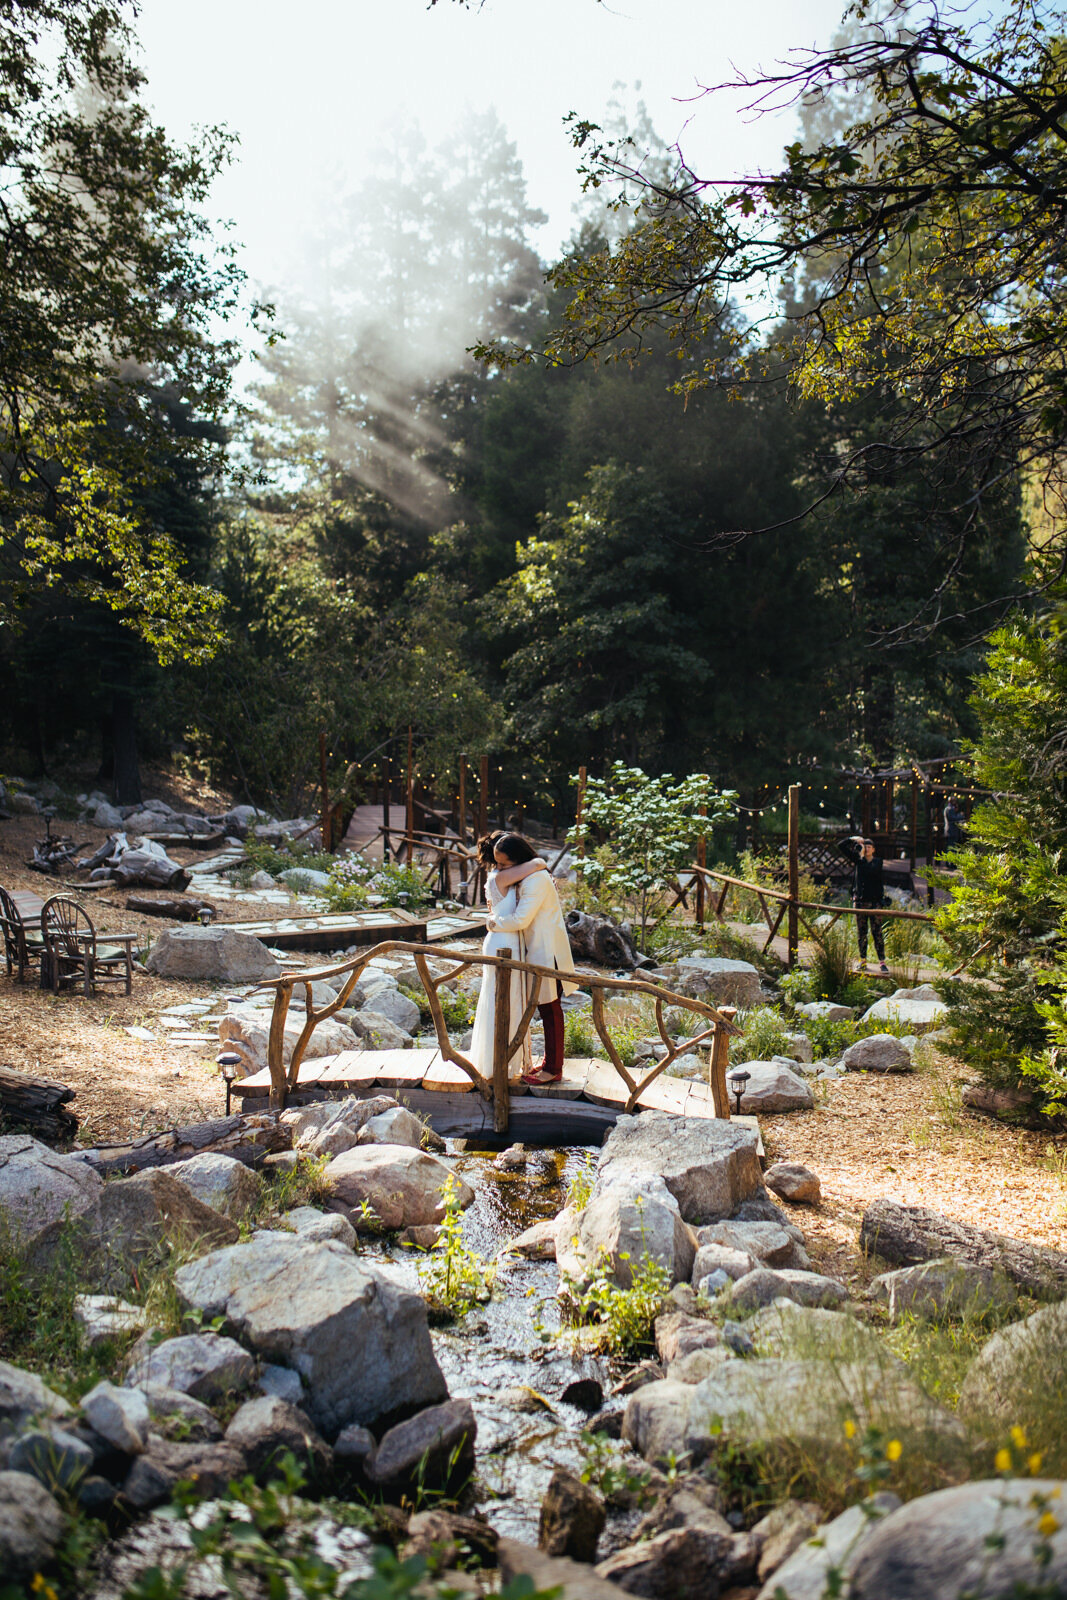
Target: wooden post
x=483 y=797
x=275 y=1048
x=386 y=819
x=914 y=820
x=717 y=1063
x=794 y=872
x=579 y=888
x=324 y=815
x=501 y=1040
x=462 y=808
x=702 y=861
x=410 y=814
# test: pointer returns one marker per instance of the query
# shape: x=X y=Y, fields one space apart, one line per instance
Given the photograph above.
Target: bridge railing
x=507 y=1040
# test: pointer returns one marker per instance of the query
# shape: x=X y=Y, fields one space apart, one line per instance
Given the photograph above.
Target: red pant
x=552 y=1022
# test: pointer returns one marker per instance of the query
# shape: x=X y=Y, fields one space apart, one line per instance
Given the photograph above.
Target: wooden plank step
x=572 y=1084
x=445 y=1077
x=604 y=1087
x=399 y=1069
x=666 y=1094
x=355 y=1068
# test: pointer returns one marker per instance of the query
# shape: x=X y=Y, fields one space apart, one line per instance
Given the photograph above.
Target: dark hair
x=486 y=845
x=867 y=842
x=516 y=848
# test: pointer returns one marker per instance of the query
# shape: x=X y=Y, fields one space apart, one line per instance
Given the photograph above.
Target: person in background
x=954 y=820
x=868 y=890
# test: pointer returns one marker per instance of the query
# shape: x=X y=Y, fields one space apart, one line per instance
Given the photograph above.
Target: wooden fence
x=506 y=1041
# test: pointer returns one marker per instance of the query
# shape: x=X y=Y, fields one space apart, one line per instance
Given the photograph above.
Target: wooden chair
x=77 y=952
x=23 y=947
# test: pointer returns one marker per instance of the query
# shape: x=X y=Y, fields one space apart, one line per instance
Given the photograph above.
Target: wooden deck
x=333 y=930
x=587 y=1100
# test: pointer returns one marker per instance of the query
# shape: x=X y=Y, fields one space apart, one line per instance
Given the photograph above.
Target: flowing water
x=504 y=1356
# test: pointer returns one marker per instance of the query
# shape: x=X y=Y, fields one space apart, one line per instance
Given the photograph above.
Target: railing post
x=501 y=1040
x=276 y=1048
x=718 y=1061
x=794 y=872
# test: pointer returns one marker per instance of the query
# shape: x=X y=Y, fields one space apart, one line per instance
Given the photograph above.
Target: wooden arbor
x=506 y=1042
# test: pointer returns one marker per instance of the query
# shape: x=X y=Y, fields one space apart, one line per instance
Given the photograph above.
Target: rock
x=309 y=1306
x=307 y=1121
x=400 y=1010
x=24 y=1398
x=879 y=1052
x=23 y=805
x=354 y=1446
x=403 y=1187
x=678 y=1564
x=513 y=1159
x=773 y=1086
x=712 y=1258
x=134 y=1220
x=105 y=1316
x=378 y=1032
x=798 y=1048
x=719 y=981
x=910 y=1234
x=370 y=984
x=444 y=1538
x=943 y=1288
x=120 y=1416
x=761 y=1208
x=678 y=1335
x=825 y=1011
x=261 y=880
x=785 y=1328
x=165 y=1463
x=570 y=1580
x=39 y=1188
x=106 y=816
x=204 y=1365
x=919 y=1015
x=626 y=1220
x=264 y=1428
x=978 y=1538
x=221 y=955
x=31 y=1526
x=709 y=1166
x=305 y=878
x=792 y=1181
x=308 y=1223
x=55 y=1457
x=245 y=1030
x=423 y=1237
x=172 y=1411
x=281 y=1383
x=656 y=1419
x=782 y=1531
x=220 y=1181
x=1013 y=1376
x=436 y=1448
x=572 y=1518
x=771 y=1244
x=767 y=1284
x=712 y=1283
x=537 y=1242
x=806 y=1575
x=397 y=1126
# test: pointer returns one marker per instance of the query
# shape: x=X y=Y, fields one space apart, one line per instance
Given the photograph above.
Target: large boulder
x=31 y=1526
x=246 y=1029
x=121 y=1416
x=401 y=1187
x=772 y=1243
x=710 y=1167
x=219 y=1181
x=265 y=1428
x=625 y=1222
x=1020 y=1373
x=434 y=1449
x=918 y=1015
x=378 y=1031
x=207 y=1366
x=396 y=1126
x=24 y=1397
x=220 y=955
x=572 y=1517
x=165 y=1463
x=719 y=981
x=134 y=1220
x=358 y=1338
x=821 y=1565
x=399 y=1008
x=879 y=1052
x=39 y=1187
x=767 y=1284
x=773 y=1086
x=979 y=1538
x=943 y=1288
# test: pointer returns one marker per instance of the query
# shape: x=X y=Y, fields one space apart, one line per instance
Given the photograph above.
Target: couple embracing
x=526 y=918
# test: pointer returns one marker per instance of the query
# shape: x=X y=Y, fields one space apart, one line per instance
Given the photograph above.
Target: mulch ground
x=905 y=1137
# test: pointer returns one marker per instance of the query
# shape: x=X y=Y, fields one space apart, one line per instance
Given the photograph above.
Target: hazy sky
x=308 y=85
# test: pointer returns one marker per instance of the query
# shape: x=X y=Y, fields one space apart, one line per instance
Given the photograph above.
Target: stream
x=498 y=1358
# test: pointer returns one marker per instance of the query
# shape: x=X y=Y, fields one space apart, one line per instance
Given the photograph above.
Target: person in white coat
x=538 y=917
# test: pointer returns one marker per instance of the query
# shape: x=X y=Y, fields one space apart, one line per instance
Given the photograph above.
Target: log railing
x=506 y=1042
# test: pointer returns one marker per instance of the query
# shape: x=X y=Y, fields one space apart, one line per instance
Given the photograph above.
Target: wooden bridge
x=591 y=1092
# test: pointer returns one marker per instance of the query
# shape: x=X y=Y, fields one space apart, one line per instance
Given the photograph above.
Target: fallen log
x=247 y=1137
x=907 y=1235
x=604 y=943
x=37 y=1104
x=180 y=910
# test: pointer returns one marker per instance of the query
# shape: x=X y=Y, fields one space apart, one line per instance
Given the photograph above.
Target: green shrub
x=764 y=1035
x=455 y=1278
x=579 y=1039
x=627 y=1317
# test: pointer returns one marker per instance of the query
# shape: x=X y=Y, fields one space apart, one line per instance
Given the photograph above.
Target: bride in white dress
x=501 y=893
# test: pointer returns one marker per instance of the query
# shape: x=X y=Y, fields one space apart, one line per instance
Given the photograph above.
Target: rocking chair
x=77 y=953
x=24 y=947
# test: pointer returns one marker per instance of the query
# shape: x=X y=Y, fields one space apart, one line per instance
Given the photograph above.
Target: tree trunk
x=180 y=910
x=124 y=744
x=879 y=712
x=37 y=1104
x=910 y=1234
x=247 y=1138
